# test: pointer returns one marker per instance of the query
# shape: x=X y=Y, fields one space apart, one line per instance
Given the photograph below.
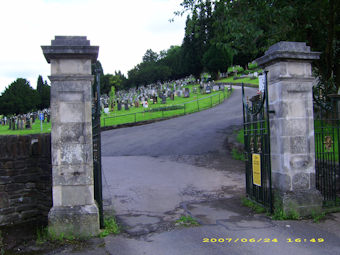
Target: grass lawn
x=244 y=80
x=322 y=131
x=180 y=106
x=35 y=129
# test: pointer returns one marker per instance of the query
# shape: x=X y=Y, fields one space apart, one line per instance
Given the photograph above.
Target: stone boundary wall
x=25 y=178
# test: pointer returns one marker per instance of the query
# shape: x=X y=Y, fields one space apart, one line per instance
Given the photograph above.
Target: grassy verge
x=46 y=128
x=173 y=108
x=243 y=80
x=234 y=152
x=237 y=155
x=254 y=206
x=45 y=235
x=279 y=214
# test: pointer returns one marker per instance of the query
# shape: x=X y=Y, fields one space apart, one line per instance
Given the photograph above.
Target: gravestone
x=126 y=106
x=172 y=96
x=216 y=88
x=28 y=123
x=163 y=99
x=208 y=89
x=74 y=211
x=21 y=123
x=186 y=93
x=119 y=106
x=179 y=93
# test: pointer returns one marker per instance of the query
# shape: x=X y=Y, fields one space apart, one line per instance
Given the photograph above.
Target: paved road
x=193 y=134
x=156 y=173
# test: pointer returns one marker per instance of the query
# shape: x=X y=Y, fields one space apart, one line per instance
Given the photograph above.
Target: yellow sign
x=257 y=169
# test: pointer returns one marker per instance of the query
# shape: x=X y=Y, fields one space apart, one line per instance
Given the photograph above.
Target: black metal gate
x=257 y=148
x=96 y=139
x=327 y=157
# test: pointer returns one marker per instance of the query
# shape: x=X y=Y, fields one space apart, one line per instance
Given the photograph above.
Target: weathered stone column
x=292 y=126
x=74 y=211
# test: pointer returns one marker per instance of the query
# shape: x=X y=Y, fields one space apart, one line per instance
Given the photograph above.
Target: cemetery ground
x=159 y=176
x=178 y=106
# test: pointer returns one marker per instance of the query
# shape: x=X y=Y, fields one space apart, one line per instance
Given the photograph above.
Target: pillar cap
x=70 y=47
x=280 y=51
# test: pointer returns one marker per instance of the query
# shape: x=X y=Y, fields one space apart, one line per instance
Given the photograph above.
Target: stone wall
x=25 y=178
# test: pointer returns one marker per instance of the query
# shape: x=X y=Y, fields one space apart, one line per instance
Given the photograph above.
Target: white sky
x=123 y=30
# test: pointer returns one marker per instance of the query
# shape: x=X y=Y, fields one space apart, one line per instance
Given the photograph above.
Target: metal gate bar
x=97 y=162
x=327 y=156
x=257 y=147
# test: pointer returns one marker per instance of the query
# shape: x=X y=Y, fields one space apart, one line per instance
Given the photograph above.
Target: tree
x=150 y=56
x=216 y=59
x=19 y=98
x=45 y=96
x=40 y=84
x=44 y=91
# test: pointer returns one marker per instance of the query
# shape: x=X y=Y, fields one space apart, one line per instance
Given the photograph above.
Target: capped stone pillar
x=74 y=210
x=292 y=126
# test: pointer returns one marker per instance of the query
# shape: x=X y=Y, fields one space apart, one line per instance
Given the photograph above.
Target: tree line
x=242 y=30
x=20 y=98
x=222 y=33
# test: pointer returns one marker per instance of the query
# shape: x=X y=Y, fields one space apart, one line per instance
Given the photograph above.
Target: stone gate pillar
x=292 y=126
x=74 y=211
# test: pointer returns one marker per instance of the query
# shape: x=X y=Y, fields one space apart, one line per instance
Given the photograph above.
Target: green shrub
x=237 y=155
x=252 y=65
x=110 y=227
x=187 y=221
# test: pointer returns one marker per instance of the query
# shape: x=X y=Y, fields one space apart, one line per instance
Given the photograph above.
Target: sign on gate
x=257 y=169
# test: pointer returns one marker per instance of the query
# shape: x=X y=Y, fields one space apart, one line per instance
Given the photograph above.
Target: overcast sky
x=123 y=30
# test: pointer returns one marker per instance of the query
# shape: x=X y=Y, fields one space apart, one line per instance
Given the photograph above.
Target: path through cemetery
x=154 y=174
x=151 y=171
